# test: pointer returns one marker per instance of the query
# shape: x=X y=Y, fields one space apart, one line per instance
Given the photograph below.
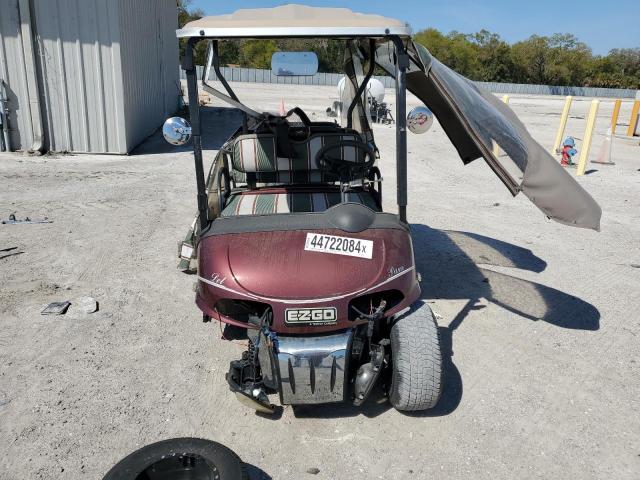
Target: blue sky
x=591 y=21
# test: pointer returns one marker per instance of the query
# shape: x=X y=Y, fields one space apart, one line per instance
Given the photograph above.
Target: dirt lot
x=540 y=322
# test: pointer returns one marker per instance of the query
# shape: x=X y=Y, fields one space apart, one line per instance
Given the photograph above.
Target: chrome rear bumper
x=313 y=369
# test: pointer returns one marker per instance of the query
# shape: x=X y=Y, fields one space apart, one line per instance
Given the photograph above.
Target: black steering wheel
x=345 y=169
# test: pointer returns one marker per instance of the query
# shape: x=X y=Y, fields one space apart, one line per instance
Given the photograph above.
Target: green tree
x=434 y=41
x=185 y=15
x=229 y=52
x=330 y=55
x=530 y=58
x=569 y=60
x=619 y=69
x=559 y=59
x=627 y=60
x=454 y=50
x=257 y=53
x=494 y=62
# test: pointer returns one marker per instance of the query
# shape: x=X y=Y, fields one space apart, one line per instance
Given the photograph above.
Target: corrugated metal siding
x=12 y=71
x=105 y=70
x=530 y=89
x=149 y=55
x=78 y=42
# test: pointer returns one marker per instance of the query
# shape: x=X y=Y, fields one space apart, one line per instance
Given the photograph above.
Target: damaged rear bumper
x=313 y=369
x=302 y=369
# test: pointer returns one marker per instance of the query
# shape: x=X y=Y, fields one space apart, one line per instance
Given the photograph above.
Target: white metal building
x=87 y=75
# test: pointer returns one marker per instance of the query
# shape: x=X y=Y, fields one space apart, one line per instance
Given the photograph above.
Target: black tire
x=416 y=376
x=221 y=462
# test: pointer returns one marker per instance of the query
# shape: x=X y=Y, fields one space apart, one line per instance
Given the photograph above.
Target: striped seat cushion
x=298 y=202
x=255 y=158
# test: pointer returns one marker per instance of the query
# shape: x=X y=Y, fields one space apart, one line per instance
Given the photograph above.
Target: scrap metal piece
x=12 y=220
x=56 y=308
x=257 y=404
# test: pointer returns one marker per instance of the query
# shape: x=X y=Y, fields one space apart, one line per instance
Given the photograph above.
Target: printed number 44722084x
x=353 y=247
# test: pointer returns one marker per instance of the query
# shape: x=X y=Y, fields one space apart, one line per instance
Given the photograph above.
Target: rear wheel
x=180 y=459
x=416 y=377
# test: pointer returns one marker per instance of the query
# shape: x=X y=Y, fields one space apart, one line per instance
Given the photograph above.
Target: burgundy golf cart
x=291 y=243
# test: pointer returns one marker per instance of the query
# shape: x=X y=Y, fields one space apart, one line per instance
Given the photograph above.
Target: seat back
x=255 y=158
x=270 y=203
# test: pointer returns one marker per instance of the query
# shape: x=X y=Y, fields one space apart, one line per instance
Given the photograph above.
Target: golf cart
x=291 y=243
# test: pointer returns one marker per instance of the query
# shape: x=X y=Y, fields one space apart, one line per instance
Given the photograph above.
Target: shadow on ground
x=451 y=264
x=256 y=473
x=375 y=405
x=218 y=124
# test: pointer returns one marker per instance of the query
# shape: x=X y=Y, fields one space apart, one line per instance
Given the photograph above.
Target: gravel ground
x=540 y=322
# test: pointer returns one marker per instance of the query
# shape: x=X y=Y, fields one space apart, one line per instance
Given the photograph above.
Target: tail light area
x=241 y=310
x=368 y=303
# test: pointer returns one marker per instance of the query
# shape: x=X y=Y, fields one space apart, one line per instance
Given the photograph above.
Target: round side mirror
x=419 y=120
x=176 y=131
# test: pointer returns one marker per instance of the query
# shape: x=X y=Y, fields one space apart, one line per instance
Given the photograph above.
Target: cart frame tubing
x=358 y=96
x=225 y=84
x=189 y=66
x=402 y=63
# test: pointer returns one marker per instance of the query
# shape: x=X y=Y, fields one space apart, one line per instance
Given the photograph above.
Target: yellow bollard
x=563 y=124
x=496 y=147
x=633 y=123
x=588 y=134
x=614 y=117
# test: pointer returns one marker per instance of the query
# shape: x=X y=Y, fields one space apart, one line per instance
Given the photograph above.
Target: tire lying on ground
x=180 y=459
x=416 y=377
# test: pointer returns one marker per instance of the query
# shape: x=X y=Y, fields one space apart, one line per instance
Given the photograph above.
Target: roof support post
x=188 y=64
x=213 y=59
x=361 y=88
x=402 y=63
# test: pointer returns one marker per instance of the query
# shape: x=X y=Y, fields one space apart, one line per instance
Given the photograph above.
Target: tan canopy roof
x=294 y=20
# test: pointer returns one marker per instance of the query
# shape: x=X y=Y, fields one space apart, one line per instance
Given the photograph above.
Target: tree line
x=559 y=59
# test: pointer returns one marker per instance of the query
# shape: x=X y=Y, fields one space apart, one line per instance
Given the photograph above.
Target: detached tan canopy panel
x=474 y=119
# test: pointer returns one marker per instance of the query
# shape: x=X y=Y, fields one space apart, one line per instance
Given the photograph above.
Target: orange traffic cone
x=282 y=111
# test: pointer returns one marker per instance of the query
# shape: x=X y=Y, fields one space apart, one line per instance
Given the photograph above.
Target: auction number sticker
x=353 y=247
